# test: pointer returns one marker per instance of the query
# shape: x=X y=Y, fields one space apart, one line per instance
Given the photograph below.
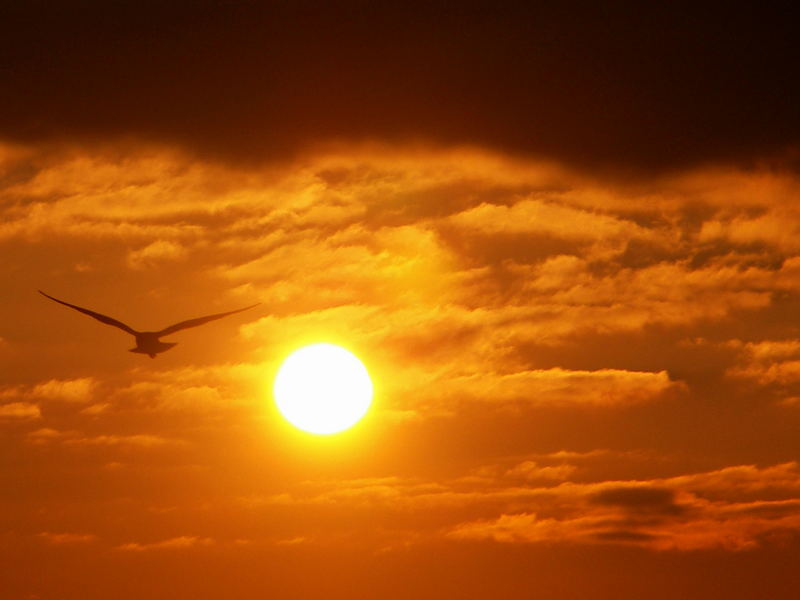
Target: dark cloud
x=623 y=535
x=628 y=86
x=639 y=499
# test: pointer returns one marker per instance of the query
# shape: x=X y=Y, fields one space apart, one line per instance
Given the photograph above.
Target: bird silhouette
x=147 y=342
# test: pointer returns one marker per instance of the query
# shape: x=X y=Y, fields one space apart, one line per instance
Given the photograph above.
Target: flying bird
x=147 y=342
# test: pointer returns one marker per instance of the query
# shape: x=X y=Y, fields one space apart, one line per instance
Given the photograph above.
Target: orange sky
x=587 y=368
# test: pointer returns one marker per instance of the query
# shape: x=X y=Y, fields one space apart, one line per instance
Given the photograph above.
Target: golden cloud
x=59 y=539
x=465 y=279
x=20 y=410
x=66 y=390
x=154 y=253
x=47 y=435
x=176 y=543
x=732 y=509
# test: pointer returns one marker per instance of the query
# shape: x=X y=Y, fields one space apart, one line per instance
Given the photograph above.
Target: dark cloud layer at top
x=628 y=86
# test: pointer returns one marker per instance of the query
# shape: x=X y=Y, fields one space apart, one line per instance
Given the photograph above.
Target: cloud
x=467 y=358
x=731 y=509
x=48 y=435
x=223 y=387
x=639 y=499
x=293 y=541
x=26 y=399
x=707 y=532
x=20 y=410
x=771 y=366
x=177 y=543
x=776 y=227
x=532 y=216
x=66 y=539
x=715 y=509
x=96 y=409
x=552 y=100
x=470 y=260
x=531 y=471
x=42 y=220
x=66 y=390
x=474 y=286
x=136 y=440
x=606 y=387
x=154 y=253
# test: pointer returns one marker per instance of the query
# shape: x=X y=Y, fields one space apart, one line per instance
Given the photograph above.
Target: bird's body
x=148 y=342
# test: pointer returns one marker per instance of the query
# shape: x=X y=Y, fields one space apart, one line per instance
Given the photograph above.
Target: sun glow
x=323 y=389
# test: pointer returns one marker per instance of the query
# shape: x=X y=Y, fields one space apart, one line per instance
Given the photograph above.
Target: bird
x=148 y=342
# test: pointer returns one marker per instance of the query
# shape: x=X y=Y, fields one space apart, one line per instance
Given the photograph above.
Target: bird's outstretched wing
x=91 y=313
x=199 y=321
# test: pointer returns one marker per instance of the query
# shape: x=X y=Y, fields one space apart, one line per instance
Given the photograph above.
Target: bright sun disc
x=322 y=389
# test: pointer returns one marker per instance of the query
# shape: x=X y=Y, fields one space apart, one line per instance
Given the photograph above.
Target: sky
x=564 y=241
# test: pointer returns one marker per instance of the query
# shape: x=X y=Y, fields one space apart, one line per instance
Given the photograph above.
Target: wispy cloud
x=65 y=539
x=177 y=543
x=68 y=390
x=732 y=508
x=48 y=435
x=154 y=253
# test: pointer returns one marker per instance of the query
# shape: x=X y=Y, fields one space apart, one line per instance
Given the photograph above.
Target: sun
x=323 y=389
